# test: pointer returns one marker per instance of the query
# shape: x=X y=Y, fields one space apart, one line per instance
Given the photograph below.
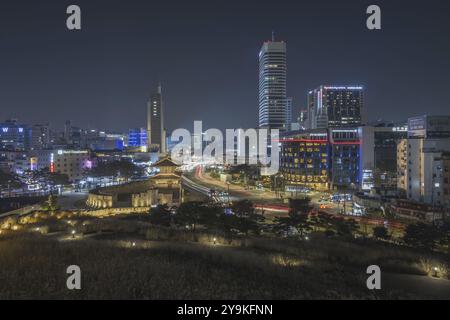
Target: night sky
x=205 y=53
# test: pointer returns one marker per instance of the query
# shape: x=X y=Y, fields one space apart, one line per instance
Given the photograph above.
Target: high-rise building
x=272 y=85
x=155 y=123
x=428 y=160
x=336 y=106
x=14 y=136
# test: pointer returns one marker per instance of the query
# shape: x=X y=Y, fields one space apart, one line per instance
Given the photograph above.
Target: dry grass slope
x=34 y=267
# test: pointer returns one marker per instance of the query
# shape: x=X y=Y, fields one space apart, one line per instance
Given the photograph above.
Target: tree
x=120 y=168
x=444 y=236
x=381 y=232
x=192 y=213
x=243 y=208
x=160 y=216
x=53 y=178
x=314 y=222
x=421 y=235
x=58 y=179
x=300 y=206
x=214 y=175
x=9 y=180
x=346 y=228
x=298 y=222
x=325 y=221
x=247 y=219
x=226 y=223
x=51 y=205
x=298 y=218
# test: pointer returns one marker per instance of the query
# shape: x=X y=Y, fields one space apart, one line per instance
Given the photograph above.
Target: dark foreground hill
x=32 y=266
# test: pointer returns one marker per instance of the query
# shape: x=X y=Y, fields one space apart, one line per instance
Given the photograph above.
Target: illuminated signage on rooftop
x=60 y=152
x=344 y=88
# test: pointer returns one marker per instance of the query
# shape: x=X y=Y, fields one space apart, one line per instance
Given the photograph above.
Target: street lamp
x=73 y=234
x=228 y=185
x=435 y=272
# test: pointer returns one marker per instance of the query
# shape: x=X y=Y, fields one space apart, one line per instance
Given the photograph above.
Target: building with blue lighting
x=137 y=138
x=14 y=136
x=345 y=158
x=340 y=158
x=321 y=159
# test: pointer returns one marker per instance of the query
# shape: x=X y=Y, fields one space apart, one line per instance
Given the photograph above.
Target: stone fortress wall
x=162 y=188
x=143 y=194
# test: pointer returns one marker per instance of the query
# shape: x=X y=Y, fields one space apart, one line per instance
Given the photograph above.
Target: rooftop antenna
x=159 y=87
x=273 y=36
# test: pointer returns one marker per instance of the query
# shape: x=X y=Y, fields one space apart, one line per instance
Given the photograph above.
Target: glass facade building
x=304 y=159
x=272 y=85
x=321 y=159
x=336 y=107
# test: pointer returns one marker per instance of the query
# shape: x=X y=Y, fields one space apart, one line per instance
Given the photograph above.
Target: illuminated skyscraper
x=155 y=123
x=272 y=85
x=336 y=106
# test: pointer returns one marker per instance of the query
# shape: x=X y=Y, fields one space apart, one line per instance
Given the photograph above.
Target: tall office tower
x=336 y=106
x=155 y=123
x=272 y=85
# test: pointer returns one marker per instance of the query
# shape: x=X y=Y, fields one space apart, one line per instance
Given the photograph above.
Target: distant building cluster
x=332 y=146
x=329 y=145
x=72 y=150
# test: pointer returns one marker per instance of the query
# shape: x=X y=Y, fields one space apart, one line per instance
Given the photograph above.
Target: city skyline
x=245 y=152
x=49 y=73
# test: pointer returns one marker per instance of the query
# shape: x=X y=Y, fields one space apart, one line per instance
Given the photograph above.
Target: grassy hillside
x=34 y=266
